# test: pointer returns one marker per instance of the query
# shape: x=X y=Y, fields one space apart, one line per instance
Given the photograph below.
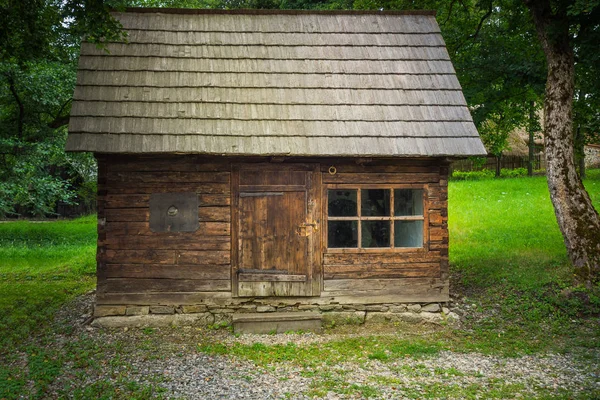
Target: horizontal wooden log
x=437 y=233
x=142 y=228
x=379 y=259
x=127 y=285
x=427 y=295
x=205 y=214
x=168 y=298
x=127 y=214
x=171 y=177
x=382 y=271
x=381 y=178
x=373 y=168
x=271 y=278
x=214 y=214
x=385 y=274
x=436 y=217
x=379 y=284
x=168 y=241
x=439 y=246
x=149 y=188
x=143 y=200
x=149 y=256
x=179 y=163
x=404 y=290
x=165 y=271
x=204 y=257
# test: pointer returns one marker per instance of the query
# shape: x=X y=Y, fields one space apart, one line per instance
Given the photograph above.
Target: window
x=369 y=218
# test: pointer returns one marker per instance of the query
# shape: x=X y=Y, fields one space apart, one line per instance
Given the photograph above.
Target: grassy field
x=508 y=263
x=42 y=265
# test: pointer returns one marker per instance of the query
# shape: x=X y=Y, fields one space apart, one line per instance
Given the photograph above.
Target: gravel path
x=184 y=372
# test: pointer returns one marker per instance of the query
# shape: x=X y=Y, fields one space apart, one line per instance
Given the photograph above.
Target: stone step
x=276 y=322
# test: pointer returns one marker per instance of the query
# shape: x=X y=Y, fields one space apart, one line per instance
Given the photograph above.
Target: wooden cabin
x=271 y=160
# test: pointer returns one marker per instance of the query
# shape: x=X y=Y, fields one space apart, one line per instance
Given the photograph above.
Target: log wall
x=384 y=275
x=138 y=266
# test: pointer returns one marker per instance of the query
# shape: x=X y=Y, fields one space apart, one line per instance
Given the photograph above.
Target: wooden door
x=276 y=228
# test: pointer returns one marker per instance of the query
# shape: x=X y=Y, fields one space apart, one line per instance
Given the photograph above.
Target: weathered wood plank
x=271 y=278
x=203 y=257
x=142 y=200
x=214 y=214
x=379 y=259
x=170 y=177
x=143 y=229
x=126 y=285
x=266 y=289
x=379 y=271
x=141 y=256
x=205 y=214
x=166 y=271
x=407 y=289
x=381 y=178
x=167 y=298
x=178 y=163
x=167 y=241
x=369 y=167
x=127 y=215
x=149 y=188
x=379 y=284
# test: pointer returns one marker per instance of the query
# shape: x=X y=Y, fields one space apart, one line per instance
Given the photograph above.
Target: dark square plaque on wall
x=174 y=212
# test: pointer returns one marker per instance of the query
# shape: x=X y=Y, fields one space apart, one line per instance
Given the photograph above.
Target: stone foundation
x=204 y=314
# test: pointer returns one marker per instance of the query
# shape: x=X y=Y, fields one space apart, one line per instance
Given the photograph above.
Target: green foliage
x=472 y=175
x=39 y=46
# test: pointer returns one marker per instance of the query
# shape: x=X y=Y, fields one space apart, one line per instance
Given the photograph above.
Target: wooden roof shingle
x=272 y=83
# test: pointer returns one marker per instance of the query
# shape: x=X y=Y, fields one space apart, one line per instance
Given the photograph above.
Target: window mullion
x=392 y=233
x=359 y=213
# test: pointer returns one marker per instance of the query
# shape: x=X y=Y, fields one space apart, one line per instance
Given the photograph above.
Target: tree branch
x=479 y=26
x=13 y=90
x=60 y=120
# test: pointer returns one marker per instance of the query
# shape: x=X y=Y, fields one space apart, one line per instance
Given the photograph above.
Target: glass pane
x=342 y=203
x=375 y=202
x=342 y=234
x=408 y=233
x=408 y=202
x=375 y=233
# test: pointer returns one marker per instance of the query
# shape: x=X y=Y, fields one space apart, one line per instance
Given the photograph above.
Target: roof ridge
x=141 y=10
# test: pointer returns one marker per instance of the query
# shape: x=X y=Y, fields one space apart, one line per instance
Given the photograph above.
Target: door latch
x=307 y=228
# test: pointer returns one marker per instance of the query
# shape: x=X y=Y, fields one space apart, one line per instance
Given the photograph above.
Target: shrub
x=472 y=175
x=513 y=173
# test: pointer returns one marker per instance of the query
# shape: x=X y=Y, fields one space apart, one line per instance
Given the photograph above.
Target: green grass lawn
x=508 y=263
x=42 y=265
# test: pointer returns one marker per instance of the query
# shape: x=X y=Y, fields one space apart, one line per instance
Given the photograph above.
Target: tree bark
x=577 y=219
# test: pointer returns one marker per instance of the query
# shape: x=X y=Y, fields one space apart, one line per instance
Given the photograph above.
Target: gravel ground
x=184 y=372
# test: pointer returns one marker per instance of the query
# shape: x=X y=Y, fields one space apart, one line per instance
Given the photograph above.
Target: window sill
x=377 y=250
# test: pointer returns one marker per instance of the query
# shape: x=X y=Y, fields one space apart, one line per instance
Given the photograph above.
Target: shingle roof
x=264 y=83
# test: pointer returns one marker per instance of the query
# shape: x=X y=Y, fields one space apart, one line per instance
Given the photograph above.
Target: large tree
x=39 y=47
x=560 y=24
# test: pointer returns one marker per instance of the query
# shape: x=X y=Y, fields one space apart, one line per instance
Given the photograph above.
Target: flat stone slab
x=277 y=322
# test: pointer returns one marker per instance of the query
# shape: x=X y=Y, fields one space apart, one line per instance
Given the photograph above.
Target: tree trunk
x=531 y=144
x=578 y=220
x=580 y=151
x=498 y=165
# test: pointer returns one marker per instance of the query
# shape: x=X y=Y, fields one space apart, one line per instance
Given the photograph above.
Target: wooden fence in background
x=508 y=162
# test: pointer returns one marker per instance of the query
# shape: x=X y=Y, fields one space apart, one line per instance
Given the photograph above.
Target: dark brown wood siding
x=139 y=266
x=391 y=275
